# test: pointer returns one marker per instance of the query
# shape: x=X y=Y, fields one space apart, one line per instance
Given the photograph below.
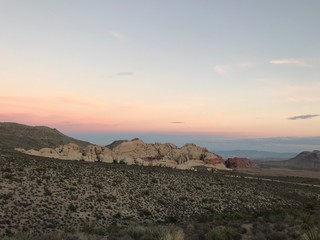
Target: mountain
x=310 y=160
x=304 y=160
x=252 y=154
x=13 y=135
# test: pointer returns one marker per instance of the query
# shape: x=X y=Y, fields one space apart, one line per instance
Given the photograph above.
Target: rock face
x=136 y=152
x=236 y=162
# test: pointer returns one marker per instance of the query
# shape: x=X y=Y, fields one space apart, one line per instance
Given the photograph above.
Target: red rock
x=240 y=163
x=214 y=161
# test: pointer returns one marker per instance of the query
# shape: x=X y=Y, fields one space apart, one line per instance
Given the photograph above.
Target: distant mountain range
x=256 y=155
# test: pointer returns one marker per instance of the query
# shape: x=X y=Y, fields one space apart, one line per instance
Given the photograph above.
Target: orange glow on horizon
x=79 y=114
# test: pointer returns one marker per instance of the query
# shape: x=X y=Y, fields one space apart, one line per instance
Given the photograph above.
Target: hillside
x=14 y=135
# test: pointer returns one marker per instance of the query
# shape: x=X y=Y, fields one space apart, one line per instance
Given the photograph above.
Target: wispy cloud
x=225 y=69
x=125 y=73
x=306 y=116
x=118 y=36
x=291 y=61
x=221 y=69
x=177 y=122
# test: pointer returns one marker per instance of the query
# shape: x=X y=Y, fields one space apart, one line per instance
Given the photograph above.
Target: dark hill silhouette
x=13 y=135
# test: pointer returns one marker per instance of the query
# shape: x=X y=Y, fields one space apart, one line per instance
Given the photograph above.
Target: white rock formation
x=136 y=152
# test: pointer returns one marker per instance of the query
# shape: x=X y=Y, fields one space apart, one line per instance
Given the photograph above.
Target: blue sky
x=219 y=68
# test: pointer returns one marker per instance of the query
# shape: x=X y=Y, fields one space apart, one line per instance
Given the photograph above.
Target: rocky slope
x=135 y=152
x=18 y=135
x=236 y=162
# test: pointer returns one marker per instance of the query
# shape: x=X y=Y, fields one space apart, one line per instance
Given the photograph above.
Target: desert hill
x=304 y=160
x=14 y=135
x=310 y=160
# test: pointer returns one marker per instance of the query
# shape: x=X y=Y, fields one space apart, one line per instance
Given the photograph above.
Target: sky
x=212 y=69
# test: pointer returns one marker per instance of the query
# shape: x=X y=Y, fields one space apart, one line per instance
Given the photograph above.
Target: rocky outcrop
x=236 y=162
x=136 y=152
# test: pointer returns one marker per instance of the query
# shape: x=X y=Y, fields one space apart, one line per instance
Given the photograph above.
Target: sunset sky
x=229 y=68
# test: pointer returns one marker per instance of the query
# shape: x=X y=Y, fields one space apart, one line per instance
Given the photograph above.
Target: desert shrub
x=136 y=232
x=259 y=236
x=21 y=236
x=236 y=216
x=144 y=213
x=173 y=234
x=223 y=234
x=72 y=207
x=155 y=233
x=279 y=227
x=261 y=228
x=171 y=219
x=274 y=216
x=92 y=228
x=307 y=220
x=312 y=234
x=294 y=234
x=277 y=236
x=205 y=217
x=140 y=232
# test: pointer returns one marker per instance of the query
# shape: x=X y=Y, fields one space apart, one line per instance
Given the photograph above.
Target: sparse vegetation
x=54 y=199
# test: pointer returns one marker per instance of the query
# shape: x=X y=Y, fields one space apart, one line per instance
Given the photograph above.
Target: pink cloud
x=289 y=62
